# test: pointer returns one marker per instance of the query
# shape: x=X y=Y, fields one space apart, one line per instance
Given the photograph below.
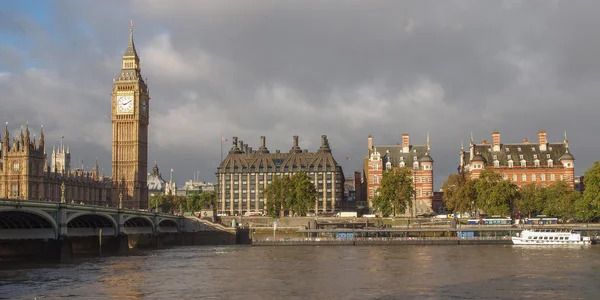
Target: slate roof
x=528 y=151
x=244 y=159
x=395 y=155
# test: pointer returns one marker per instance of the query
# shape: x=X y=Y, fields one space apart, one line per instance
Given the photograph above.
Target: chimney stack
x=235 y=141
x=245 y=148
x=295 y=141
x=263 y=141
x=241 y=145
x=405 y=142
x=249 y=150
x=370 y=142
x=542 y=141
x=496 y=141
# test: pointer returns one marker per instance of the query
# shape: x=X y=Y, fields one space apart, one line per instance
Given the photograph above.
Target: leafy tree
x=495 y=196
x=208 y=200
x=584 y=211
x=166 y=203
x=295 y=193
x=396 y=192
x=591 y=194
x=277 y=194
x=459 y=193
x=561 y=199
x=304 y=193
x=193 y=202
x=530 y=200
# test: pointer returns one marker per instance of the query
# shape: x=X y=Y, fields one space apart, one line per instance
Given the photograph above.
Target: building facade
x=130 y=119
x=542 y=163
x=416 y=158
x=25 y=174
x=244 y=173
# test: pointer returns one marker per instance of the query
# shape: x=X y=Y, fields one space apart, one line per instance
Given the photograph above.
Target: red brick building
x=542 y=163
x=415 y=157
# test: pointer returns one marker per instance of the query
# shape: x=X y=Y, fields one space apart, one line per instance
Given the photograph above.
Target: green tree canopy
x=396 y=193
x=530 y=200
x=494 y=195
x=590 y=206
x=560 y=200
x=459 y=193
x=295 y=193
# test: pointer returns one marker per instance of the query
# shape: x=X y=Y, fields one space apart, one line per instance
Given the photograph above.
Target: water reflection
x=346 y=272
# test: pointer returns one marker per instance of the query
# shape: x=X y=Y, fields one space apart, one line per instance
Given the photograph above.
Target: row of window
x=534 y=177
x=270 y=175
x=418 y=192
x=418 y=179
x=279 y=169
x=388 y=166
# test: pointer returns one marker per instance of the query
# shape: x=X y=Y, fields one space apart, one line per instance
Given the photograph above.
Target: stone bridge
x=57 y=230
x=51 y=220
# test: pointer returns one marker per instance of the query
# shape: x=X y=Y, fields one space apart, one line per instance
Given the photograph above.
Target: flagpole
x=221 y=151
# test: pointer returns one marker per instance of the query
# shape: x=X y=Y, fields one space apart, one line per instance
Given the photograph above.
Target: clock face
x=144 y=106
x=125 y=104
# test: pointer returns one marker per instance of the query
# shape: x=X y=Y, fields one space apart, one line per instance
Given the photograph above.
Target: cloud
x=346 y=69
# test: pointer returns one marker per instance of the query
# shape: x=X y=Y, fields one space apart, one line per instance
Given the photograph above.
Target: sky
x=345 y=69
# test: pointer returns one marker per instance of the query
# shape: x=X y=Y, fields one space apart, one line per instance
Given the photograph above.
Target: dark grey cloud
x=282 y=68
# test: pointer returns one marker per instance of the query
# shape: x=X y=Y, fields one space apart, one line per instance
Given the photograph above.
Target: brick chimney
x=370 y=142
x=496 y=141
x=542 y=141
x=525 y=141
x=405 y=142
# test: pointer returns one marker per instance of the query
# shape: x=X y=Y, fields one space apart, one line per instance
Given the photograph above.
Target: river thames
x=316 y=272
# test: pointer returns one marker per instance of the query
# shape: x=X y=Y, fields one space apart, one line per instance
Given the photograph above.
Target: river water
x=310 y=272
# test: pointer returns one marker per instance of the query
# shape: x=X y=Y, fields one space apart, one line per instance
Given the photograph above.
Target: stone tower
x=61 y=159
x=130 y=110
x=22 y=166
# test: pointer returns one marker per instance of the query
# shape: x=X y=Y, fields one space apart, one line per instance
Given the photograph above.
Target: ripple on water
x=382 y=272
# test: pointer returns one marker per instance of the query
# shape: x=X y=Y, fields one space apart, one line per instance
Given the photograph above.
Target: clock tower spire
x=130 y=105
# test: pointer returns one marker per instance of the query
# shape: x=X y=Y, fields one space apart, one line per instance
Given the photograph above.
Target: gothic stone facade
x=130 y=117
x=244 y=173
x=25 y=175
x=542 y=163
x=417 y=158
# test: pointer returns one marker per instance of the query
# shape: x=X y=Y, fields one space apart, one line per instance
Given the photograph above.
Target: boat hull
x=520 y=241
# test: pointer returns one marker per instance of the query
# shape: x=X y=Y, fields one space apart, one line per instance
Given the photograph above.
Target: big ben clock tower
x=130 y=106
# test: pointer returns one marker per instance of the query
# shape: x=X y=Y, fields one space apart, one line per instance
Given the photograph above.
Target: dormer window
x=388 y=165
x=535 y=156
x=507 y=150
x=537 y=162
x=401 y=158
x=496 y=164
x=521 y=156
x=416 y=165
x=402 y=164
x=547 y=155
x=495 y=156
x=415 y=158
x=533 y=149
x=509 y=157
x=519 y=149
x=550 y=148
x=510 y=163
x=550 y=163
x=523 y=164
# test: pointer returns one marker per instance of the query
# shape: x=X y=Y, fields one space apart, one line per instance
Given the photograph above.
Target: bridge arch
x=168 y=225
x=25 y=223
x=138 y=225
x=89 y=224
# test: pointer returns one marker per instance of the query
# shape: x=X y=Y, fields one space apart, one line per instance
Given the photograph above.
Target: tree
x=277 y=194
x=396 y=192
x=296 y=194
x=208 y=200
x=459 y=193
x=560 y=200
x=193 y=203
x=165 y=203
x=494 y=195
x=304 y=193
x=591 y=194
x=530 y=200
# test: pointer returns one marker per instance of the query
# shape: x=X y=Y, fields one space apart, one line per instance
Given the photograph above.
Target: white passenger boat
x=550 y=236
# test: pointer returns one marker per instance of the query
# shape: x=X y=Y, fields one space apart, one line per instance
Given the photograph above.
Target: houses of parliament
x=27 y=173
